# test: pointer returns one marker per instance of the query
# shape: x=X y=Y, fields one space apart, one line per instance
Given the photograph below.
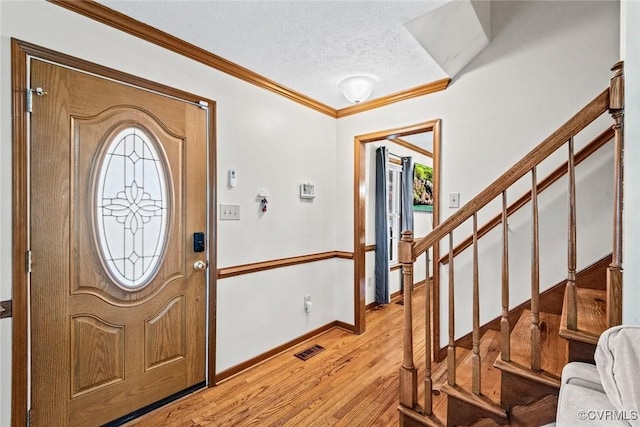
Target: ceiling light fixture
x=357 y=88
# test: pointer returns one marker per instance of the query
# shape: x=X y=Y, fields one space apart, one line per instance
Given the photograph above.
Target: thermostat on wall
x=307 y=191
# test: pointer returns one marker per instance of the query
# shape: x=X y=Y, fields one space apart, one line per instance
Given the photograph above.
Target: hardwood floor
x=353 y=382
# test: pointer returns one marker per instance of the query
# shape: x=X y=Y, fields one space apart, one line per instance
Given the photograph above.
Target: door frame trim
x=359 y=202
x=20 y=53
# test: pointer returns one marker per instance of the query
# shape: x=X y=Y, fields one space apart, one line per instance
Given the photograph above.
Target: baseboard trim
x=394 y=296
x=234 y=370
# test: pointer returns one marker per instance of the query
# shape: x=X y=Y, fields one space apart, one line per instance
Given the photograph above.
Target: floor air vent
x=309 y=353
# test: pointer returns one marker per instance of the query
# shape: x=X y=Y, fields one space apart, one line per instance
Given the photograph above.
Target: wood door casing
x=99 y=350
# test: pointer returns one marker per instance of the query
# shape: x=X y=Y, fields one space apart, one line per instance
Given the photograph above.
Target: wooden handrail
x=597 y=143
x=584 y=117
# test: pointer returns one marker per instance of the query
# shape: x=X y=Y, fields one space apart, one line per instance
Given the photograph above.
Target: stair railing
x=409 y=250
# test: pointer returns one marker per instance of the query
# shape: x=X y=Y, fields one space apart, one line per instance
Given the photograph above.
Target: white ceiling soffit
x=454 y=33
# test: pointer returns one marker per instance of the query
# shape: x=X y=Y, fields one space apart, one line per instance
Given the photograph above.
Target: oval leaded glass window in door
x=131 y=208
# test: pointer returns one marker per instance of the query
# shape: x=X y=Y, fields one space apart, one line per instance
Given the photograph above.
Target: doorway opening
x=421 y=141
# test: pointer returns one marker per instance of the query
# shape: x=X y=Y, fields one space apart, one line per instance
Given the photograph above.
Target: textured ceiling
x=307 y=46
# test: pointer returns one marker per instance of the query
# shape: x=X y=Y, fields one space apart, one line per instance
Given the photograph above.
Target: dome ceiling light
x=357 y=89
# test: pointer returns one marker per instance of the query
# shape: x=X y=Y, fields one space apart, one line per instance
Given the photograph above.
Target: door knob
x=199 y=265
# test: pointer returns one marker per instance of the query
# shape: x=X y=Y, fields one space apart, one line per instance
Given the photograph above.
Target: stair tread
x=526 y=372
x=553 y=348
x=490 y=376
x=592 y=316
x=538 y=413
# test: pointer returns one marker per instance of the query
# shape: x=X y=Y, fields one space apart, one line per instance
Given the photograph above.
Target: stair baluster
x=535 y=275
x=451 y=349
x=475 y=386
x=614 y=275
x=428 y=385
x=408 y=372
x=572 y=309
x=435 y=296
x=504 y=321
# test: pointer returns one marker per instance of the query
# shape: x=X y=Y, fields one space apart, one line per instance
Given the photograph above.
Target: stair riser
x=460 y=413
x=516 y=390
x=581 y=352
x=406 y=421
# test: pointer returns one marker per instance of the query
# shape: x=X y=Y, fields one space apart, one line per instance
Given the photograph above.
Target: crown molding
x=119 y=21
x=432 y=87
x=114 y=19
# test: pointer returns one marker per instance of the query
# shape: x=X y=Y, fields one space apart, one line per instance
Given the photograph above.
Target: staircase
x=507 y=371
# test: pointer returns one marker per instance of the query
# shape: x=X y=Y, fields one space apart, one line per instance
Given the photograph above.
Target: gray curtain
x=407 y=195
x=382 y=227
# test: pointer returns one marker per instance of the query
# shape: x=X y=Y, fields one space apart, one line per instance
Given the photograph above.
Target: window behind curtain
x=394 y=179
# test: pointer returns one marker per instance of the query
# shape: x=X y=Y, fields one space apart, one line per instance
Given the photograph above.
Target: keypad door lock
x=198 y=242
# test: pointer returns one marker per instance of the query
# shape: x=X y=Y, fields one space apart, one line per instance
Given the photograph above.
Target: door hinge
x=29 y=418
x=6 y=309
x=38 y=91
x=28 y=261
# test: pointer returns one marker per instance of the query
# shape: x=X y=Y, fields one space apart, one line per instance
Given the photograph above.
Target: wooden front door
x=118 y=181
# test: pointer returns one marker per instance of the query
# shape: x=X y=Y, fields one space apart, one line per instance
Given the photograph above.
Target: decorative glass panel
x=131 y=208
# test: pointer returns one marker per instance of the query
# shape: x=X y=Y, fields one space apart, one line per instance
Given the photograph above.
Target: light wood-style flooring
x=353 y=382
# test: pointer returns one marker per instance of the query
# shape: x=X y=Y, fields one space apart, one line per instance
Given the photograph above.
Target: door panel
x=97 y=350
x=118 y=187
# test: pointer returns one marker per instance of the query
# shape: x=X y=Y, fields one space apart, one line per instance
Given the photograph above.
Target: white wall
x=631 y=210
x=545 y=62
x=272 y=142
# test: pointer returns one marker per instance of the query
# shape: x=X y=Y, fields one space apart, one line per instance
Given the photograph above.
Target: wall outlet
x=370 y=282
x=307 y=304
x=229 y=212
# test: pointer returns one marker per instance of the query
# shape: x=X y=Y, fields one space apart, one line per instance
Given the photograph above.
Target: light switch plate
x=454 y=200
x=229 y=212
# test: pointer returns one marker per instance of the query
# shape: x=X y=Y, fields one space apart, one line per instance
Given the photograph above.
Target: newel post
x=614 y=272
x=408 y=372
